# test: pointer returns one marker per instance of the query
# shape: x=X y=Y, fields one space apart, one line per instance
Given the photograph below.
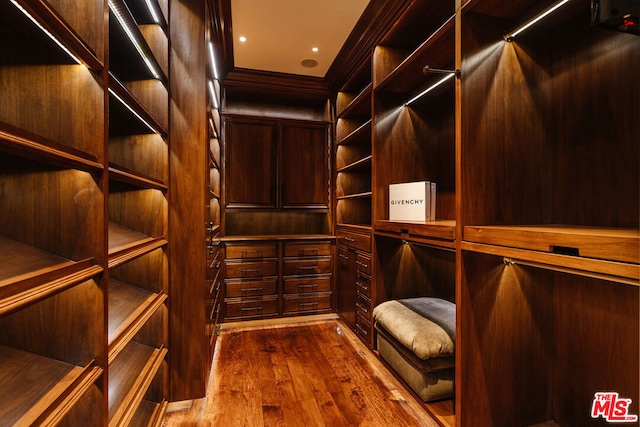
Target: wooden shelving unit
x=556 y=226
x=536 y=236
x=138 y=182
x=213 y=286
x=414 y=139
x=84 y=169
x=52 y=176
x=353 y=151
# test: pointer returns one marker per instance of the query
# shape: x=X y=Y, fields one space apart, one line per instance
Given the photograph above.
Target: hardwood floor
x=306 y=374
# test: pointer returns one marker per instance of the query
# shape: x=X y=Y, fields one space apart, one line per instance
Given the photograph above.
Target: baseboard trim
x=280 y=321
x=181 y=405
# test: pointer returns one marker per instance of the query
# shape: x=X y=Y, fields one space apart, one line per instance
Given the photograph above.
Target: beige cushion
x=422 y=336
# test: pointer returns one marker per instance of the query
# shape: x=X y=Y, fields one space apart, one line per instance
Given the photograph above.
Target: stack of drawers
x=307 y=276
x=251 y=277
x=278 y=277
x=363 y=296
x=214 y=298
x=354 y=283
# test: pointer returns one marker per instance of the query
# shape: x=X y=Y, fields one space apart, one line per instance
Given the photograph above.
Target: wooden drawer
x=251 y=250
x=216 y=261
x=306 y=303
x=363 y=328
x=305 y=266
x=363 y=306
x=250 y=288
x=214 y=289
x=363 y=264
x=214 y=312
x=363 y=285
x=305 y=285
x=251 y=269
x=251 y=308
x=301 y=249
x=355 y=240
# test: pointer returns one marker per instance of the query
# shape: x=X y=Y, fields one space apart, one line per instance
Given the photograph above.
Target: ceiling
x=280 y=34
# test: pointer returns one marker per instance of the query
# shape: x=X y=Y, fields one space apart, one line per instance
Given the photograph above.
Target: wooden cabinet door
x=251 y=160
x=305 y=167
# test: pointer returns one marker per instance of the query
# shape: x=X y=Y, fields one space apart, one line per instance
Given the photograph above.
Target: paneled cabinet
x=276 y=164
x=251 y=157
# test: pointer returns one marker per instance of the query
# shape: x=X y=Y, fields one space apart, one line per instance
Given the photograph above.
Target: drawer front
x=214 y=290
x=250 y=288
x=363 y=306
x=252 y=308
x=293 y=304
x=305 y=285
x=355 y=240
x=294 y=267
x=301 y=249
x=214 y=312
x=251 y=269
x=363 y=328
x=363 y=285
x=251 y=250
x=363 y=264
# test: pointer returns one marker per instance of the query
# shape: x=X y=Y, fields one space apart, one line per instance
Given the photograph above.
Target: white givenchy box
x=412 y=201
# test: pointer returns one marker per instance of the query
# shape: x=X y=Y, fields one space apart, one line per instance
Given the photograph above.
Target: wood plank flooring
x=306 y=374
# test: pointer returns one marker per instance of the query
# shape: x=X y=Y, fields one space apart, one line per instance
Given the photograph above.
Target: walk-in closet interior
x=152 y=194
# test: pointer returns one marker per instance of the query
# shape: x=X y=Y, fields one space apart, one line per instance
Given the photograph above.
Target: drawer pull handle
x=245 y=252
x=303 y=268
x=307 y=304
x=366 y=310
x=361 y=264
x=366 y=288
x=302 y=286
x=363 y=330
x=251 y=289
x=215 y=287
x=307 y=251
x=350 y=239
x=343 y=256
x=259 y=308
x=251 y=270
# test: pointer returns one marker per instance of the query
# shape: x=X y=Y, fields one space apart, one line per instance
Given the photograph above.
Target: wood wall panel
x=188 y=160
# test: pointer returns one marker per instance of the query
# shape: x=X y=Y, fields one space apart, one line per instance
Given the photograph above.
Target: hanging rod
x=427 y=69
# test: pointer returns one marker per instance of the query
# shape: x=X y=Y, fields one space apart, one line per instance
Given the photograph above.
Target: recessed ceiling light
x=309 y=63
x=315 y=49
x=242 y=39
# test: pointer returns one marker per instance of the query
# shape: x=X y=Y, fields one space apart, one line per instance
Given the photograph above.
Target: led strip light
x=123 y=23
x=509 y=37
x=152 y=10
x=430 y=88
x=138 y=116
x=44 y=30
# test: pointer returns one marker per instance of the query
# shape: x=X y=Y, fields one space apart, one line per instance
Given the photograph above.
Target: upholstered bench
x=416 y=337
